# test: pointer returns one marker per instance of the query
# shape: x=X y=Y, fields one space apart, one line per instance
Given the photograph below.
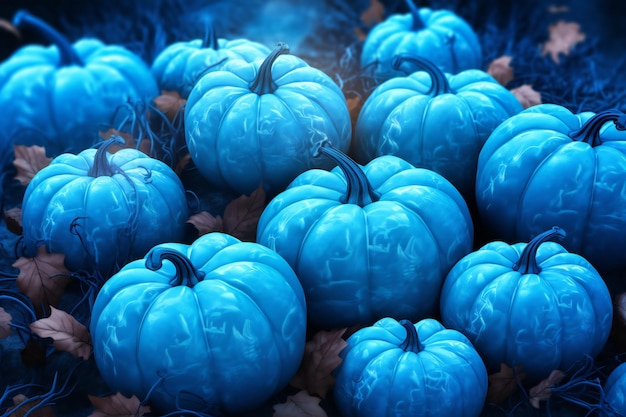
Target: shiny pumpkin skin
x=615 y=389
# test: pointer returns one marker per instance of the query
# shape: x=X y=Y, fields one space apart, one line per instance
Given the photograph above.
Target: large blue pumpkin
x=368 y=242
x=60 y=96
x=548 y=166
x=259 y=123
x=217 y=326
x=533 y=305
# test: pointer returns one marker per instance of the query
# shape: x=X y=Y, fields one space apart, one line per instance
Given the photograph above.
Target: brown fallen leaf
x=10 y=28
x=321 y=357
x=130 y=142
x=182 y=164
x=500 y=69
x=527 y=96
x=68 y=334
x=205 y=223
x=24 y=407
x=29 y=160
x=373 y=14
x=170 y=103
x=558 y=9
x=504 y=383
x=543 y=390
x=302 y=404
x=43 y=278
x=117 y=406
x=241 y=216
x=5 y=323
x=563 y=37
x=13 y=220
x=618 y=329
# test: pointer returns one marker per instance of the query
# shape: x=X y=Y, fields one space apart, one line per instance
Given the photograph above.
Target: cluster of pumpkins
x=383 y=238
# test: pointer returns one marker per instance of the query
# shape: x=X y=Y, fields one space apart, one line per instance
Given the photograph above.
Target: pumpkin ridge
x=586 y=222
x=509 y=326
x=555 y=300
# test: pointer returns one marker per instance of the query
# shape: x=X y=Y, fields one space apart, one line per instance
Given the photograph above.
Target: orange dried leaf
x=5 y=323
x=42 y=278
x=169 y=103
x=13 y=220
x=241 y=216
x=117 y=406
x=321 y=357
x=68 y=334
x=504 y=383
x=543 y=390
x=206 y=223
x=24 y=407
x=501 y=70
x=29 y=160
x=527 y=96
x=300 y=405
x=563 y=37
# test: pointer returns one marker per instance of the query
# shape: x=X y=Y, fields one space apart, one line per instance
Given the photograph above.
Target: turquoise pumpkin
x=615 y=390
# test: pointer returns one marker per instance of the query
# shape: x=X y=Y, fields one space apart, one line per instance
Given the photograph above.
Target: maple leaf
x=29 y=160
x=23 y=407
x=321 y=357
x=129 y=141
x=302 y=404
x=504 y=383
x=9 y=27
x=501 y=70
x=527 y=96
x=117 y=406
x=42 y=278
x=241 y=216
x=205 y=223
x=13 y=220
x=563 y=37
x=543 y=390
x=68 y=334
x=5 y=323
x=169 y=103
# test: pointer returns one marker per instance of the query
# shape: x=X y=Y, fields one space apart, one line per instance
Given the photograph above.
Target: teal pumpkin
x=615 y=390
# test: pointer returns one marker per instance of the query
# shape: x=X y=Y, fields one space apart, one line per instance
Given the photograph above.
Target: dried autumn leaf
x=321 y=357
x=504 y=383
x=24 y=407
x=9 y=27
x=13 y=220
x=68 y=334
x=527 y=96
x=129 y=140
x=543 y=390
x=501 y=70
x=169 y=103
x=29 y=160
x=117 y=406
x=205 y=223
x=42 y=278
x=373 y=14
x=5 y=323
x=241 y=216
x=563 y=37
x=181 y=164
x=618 y=329
x=300 y=405
x=558 y=9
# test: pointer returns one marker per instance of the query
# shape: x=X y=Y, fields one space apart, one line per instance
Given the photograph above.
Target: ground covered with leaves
x=568 y=53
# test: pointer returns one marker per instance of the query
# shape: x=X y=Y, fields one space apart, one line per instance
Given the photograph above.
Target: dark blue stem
x=186 y=273
x=412 y=342
x=210 y=40
x=590 y=131
x=439 y=81
x=263 y=83
x=418 y=24
x=527 y=263
x=101 y=166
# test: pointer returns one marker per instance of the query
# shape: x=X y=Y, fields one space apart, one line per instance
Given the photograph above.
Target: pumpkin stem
x=263 y=82
x=412 y=342
x=186 y=273
x=418 y=23
x=590 y=131
x=359 y=190
x=210 y=40
x=439 y=82
x=67 y=55
x=101 y=166
x=527 y=263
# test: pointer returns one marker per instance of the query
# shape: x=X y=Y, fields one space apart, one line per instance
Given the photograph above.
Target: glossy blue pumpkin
x=534 y=305
x=615 y=390
x=60 y=96
x=405 y=370
x=548 y=166
x=180 y=65
x=439 y=35
x=217 y=326
x=103 y=210
x=368 y=242
x=260 y=123
x=434 y=120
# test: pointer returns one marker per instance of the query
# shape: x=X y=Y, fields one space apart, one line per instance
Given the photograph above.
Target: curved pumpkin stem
x=67 y=55
x=263 y=83
x=101 y=166
x=186 y=273
x=527 y=263
x=412 y=342
x=590 y=131
x=418 y=23
x=439 y=81
x=210 y=40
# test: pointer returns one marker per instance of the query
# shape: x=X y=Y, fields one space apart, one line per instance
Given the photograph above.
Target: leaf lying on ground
x=375 y=13
x=543 y=390
x=13 y=220
x=117 y=406
x=563 y=37
x=29 y=160
x=182 y=164
x=558 y=9
x=618 y=329
x=42 y=278
x=5 y=323
x=527 y=96
x=300 y=405
x=205 y=223
x=7 y=26
x=501 y=70
x=504 y=383
x=68 y=334
x=321 y=357
x=25 y=407
x=129 y=140
x=169 y=103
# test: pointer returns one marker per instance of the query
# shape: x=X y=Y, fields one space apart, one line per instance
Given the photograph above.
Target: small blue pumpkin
x=615 y=390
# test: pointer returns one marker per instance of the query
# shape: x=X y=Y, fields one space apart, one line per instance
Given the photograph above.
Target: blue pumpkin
x=405 y=370
x=439 y=35
x=615 y=390
x=368 y=242
x=59 y=96
x=534 y=305
x=259 y=123
x=549 y=166
x=217 y=326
